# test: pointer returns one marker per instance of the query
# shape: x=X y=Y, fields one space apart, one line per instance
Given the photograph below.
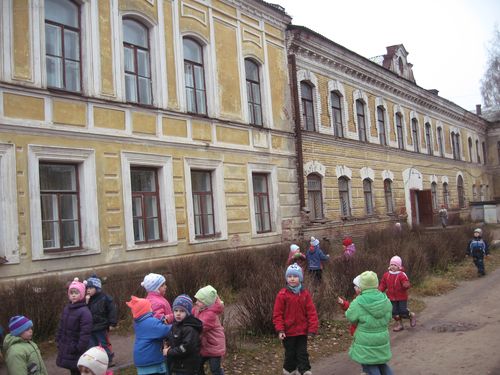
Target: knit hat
x=395 y=260
x=207 y=295
x=183 y=302
x=18 y=324
x=314 y=241
x=478 y=230
x=347 y=241
x=294 y=269
x=139 y=306
x=94 y=282
x=294 y=247
x=95 y=359
x=357 y=281
x=76 y=284
x=368 y=280
x=152 y=282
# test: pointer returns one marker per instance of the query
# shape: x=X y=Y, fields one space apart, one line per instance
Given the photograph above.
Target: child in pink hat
x=395 y=284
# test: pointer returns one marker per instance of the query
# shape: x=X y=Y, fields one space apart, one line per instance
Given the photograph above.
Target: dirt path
x=457 y=333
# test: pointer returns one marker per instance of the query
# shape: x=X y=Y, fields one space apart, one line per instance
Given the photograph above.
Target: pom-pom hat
x=18 y=324
x=294 y=269
x=314 y=241
x=139 y=306
x=94 y=282
x=95 y=359
x=183 y=302
x=294 y=247
x=152 y=282
x=76 y=284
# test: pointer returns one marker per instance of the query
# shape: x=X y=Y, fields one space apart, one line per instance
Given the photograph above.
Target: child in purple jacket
x=75 y=326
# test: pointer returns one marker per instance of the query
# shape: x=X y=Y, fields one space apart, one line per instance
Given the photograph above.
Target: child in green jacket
x=371 y=311
x=22 y=355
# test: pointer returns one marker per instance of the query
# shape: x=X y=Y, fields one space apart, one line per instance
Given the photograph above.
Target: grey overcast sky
x=446 y=40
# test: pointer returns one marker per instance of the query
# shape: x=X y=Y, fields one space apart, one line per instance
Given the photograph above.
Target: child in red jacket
x=295 y=318
x=395 y=284
x=344 y=304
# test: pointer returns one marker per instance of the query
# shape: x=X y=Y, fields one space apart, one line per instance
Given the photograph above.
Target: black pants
x=296 y=356
x=400 y=309
x=479 y=262
x=316 y=274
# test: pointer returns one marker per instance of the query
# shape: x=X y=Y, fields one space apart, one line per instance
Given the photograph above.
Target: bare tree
x=490 y=84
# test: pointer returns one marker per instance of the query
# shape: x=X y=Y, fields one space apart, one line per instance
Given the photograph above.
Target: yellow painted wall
x=21 y=39
x=279 y=87
x=201 y=131
x=109 y=118
x=143 y=123
x=69 y=113
x=105 y=39
x=140 y=6
x=194 y=18
x=174 y=127
x=23 y=106
x=234 y=136
x=173 y=101
x=252 y=42
x=224 y=8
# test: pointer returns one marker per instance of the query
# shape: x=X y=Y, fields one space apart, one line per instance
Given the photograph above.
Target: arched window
x=368 y=193
x=314 y=194
x=428 y=138
x=477 y=152
x=253 y=92
x=137 y=62
x=400 y=65
x=389 y=203
x=360 y=113
x=484 y=152
x=399 y=131
x=381 y=125
x=446 y=196
x=434 y=196
x=194 y=77
x=306 y=91
x=345 y=201
x=337 y=114
x=414 y=131
x=455 y=143
x=474 y=192
x=460 y=191
x=469 y=142
x=62 y=45
x=440 y=142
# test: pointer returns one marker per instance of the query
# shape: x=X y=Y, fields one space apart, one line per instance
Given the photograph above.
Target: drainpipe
x=292 y=71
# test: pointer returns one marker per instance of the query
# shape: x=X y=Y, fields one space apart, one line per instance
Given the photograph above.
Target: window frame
x=204 y=233
x=258 y=212
x=415 y=134
x=307 y=103
x=195 y=89
x=345 y=212
x=381 y=116
x=389 y=199
x=399 y=131
x=477 y=152
x=461 y=192
x=469 y=143
x=338 y=126
x=361 y=120
x=250 y=94
x=483 y=145
x=428 y=138
x=440 y=141
x=434 y=196
x=368 y=195
x=446 y=194
x=314 y=195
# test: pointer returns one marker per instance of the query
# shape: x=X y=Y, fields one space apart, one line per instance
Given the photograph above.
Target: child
x=396 y=284
x=104 y=315
x=22 y=355
x=371 y=312
x=443 y=214
x=94 y=362
x=295 y=318
x=183 y=347
x=75 y=326
x=156 y=287
x=149 y=335
x=295 y=256
x=315 y=257
x=344 y=304
x=478 y=249
x=208 y=309
x=349 y=247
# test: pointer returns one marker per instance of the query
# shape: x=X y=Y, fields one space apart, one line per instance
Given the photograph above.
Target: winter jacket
x=371 y=311
x=395 y=285
x=22 y=355
x=213 y=340
x=314 y=258
x=345 y=306
x=103 y=311
x=349 y=250
x=148 y=344
x=295 y=314
x=184 y=341
x=477 y=247
x=73 y=334
x=160 y=306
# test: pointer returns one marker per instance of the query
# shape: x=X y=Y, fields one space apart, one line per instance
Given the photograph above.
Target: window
x=470 y=149
x=434 y=196
x=261 y=202
x=367 y=192
x=400 y=65
x=440 y=142
x=60 y=206
x=253 y=92
x=474 y=192
x=389 y=203
x=338 y=129
x=446 y=200
x=455 y=143
x=381 y=125
x=481 y=192
x=203 y=203
x=194 y=77
x=414 y=131
x=137 y=62
x=62 y=45
x=314 y=195
x=484 y=153
x=477 y=152
x=360 y=113
x=399 y=131
x=428 y=138
x=461 y=192
x=345 y=201
x=306 y=92
x=145 y=205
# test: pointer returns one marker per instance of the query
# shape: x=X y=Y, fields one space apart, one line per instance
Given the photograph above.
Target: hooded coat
x=371 y=311
x=148 y=344
x=184 y=341
x=213 y=339
x=315 y=257
x=20 y=355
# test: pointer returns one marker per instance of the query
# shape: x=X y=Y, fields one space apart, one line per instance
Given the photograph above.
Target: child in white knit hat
x=296 y=256
x=94 y=362
x=156 y=287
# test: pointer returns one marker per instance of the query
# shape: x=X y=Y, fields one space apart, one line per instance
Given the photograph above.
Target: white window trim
x=218 y=193
x=272 y=173
x=164 y=165
x=309 y=77
x=358 y=94
x=380 y=102
x=338 y=87
x=9 y=228
x=414 y=115
x=263 y=84
x=398 y=109
x=89 y=218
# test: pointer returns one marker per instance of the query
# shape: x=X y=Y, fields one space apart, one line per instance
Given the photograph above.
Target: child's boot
x=399 y=325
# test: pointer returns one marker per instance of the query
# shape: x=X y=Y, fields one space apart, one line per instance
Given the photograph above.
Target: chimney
x=434 y=91
x=478 y=109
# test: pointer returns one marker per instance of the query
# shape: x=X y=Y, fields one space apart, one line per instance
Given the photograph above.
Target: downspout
x=292 y=71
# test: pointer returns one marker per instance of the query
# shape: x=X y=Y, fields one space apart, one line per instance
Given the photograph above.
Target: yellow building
x=377 y=148
x=137 y=129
